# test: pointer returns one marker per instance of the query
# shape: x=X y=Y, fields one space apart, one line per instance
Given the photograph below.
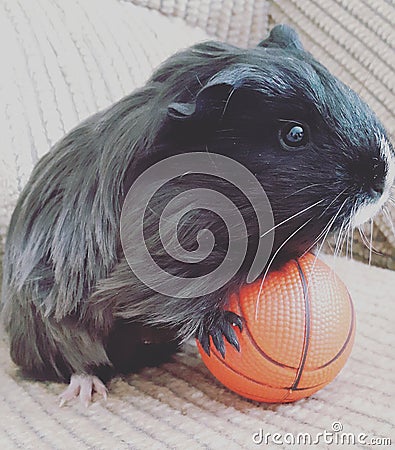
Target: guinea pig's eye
x=293 y=135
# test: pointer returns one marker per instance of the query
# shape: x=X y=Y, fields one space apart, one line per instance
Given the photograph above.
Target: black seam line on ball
x=348 y=339
x=307 y=326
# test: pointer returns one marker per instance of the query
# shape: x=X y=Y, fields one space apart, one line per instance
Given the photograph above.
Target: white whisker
x=366 y=242
x=324 y=234
x=344 y=240
x=363 y=236
x=303 y=189
x=290 y=218
x=349 y=236
x=198 y=79
x=271 y=262
x=339 y=240
x=227 y=102
x=331 y=222
x=332 y=202
x=387 y=215
x=371 y=241
x=330 y=226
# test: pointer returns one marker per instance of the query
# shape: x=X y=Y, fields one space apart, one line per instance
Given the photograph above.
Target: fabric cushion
x=64 y=62
x=354 y=39
x=239 y=22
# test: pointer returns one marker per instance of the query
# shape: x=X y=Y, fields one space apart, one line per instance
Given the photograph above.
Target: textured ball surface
x=298 y=333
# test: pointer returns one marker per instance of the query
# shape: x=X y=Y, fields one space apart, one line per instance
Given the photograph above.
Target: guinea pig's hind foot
x=83 y=386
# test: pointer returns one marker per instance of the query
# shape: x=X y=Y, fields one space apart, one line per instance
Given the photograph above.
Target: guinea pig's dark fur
x=71 y=303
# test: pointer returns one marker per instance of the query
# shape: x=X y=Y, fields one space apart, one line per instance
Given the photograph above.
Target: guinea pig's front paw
x=217 y=325
x=83 y=386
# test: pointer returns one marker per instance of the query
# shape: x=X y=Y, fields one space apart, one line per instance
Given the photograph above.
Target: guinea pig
x=80 y=298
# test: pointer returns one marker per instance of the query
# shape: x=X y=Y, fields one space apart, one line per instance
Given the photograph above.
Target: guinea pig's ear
x=282 y=36
x=208 y=102
x=212 y=98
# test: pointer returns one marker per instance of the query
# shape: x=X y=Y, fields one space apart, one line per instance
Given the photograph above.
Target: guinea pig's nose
x=378 y=177
x=369 y=173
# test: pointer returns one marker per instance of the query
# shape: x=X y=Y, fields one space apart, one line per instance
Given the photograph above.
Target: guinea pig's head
x=320 y=153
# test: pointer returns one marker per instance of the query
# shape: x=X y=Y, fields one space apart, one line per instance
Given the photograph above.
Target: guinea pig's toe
x=231 y=320
x=219 y=325
x=89 y=385
x=234 y=319
x=83 y=386
x=100 y=387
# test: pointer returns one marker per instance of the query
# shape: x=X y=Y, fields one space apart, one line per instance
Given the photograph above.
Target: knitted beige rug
x=180 y=405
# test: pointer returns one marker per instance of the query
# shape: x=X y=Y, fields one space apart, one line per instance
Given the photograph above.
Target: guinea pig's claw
x=82 y=386
x=219 y=325
x=234 y=319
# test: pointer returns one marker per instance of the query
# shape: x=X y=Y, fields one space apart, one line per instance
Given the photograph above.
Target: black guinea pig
x=97 y=277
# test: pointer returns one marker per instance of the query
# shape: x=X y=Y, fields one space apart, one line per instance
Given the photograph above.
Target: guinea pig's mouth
x=369 y=209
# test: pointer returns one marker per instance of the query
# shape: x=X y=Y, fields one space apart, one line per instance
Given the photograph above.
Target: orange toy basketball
x=298 y=333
